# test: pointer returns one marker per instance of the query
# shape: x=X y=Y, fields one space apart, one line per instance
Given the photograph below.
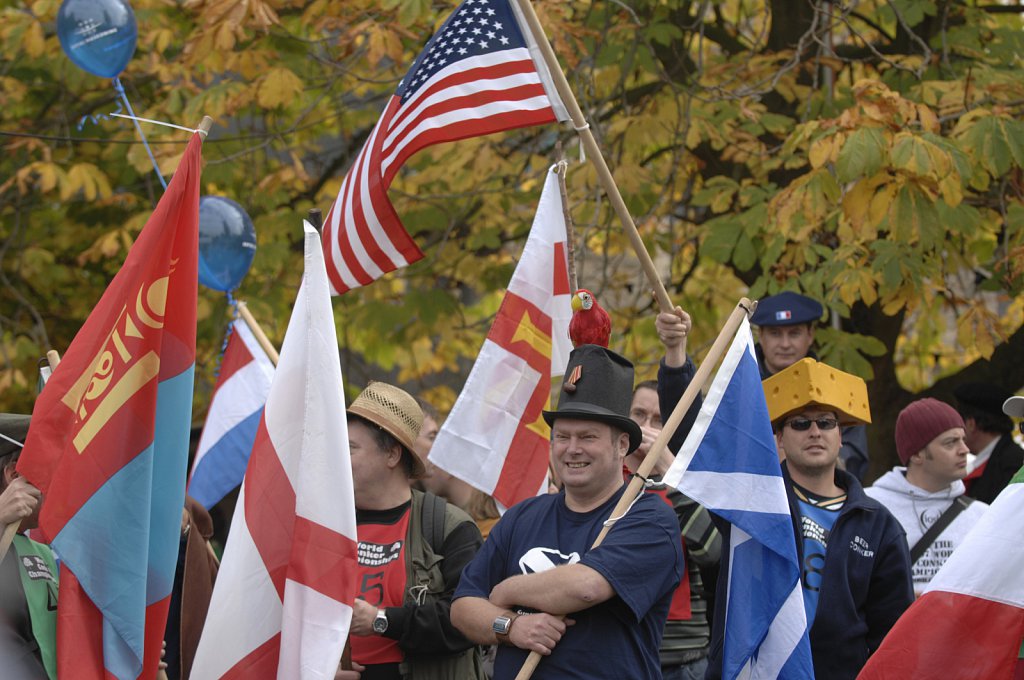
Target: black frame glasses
x=804 y=424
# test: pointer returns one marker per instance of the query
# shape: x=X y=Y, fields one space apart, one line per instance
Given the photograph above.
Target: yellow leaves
x=279 y=87
x=107 y=246
x=929 y=121
x=978 y=329
x=856 y=282
x=41 y=175
x=34 y=41
x=382 y=42
x=88 y=179
x=825 y=150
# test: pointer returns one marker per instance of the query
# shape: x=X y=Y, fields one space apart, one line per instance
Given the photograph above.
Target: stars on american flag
x=476 y=28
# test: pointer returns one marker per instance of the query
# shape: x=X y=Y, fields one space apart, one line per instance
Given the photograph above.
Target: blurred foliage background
x=867 y=153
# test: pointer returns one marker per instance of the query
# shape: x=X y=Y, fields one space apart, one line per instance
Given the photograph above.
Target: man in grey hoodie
x=929 y=490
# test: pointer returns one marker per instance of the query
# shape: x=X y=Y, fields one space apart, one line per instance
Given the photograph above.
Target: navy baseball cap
x=786 y=309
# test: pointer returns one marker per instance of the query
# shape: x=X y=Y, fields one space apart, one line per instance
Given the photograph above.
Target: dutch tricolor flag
x=231 y=422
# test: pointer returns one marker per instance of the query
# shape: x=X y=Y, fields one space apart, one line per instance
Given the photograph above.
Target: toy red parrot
x=590 y=324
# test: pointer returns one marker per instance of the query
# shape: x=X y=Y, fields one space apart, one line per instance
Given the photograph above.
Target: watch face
x=380 y=623
x=501 y=625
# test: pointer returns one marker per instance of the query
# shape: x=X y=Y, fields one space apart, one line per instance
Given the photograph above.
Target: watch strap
x=503 y=638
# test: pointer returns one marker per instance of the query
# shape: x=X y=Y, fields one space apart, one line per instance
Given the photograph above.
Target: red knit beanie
x=920 y=422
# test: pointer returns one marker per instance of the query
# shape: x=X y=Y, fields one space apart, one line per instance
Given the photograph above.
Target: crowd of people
x=451 y=588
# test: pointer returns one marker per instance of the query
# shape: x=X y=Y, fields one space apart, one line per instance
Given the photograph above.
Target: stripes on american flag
x=476 y=76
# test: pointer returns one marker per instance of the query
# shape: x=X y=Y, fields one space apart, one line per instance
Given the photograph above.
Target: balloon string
x=227 y=336
x=96 y=118
x=128 y=105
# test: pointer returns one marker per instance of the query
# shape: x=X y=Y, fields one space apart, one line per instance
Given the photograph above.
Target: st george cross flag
x=282 y=604
x=729 y=464
x=480 y=73
x=234 y=414
x=108 y=446
x=495 y=437
x=969 y=623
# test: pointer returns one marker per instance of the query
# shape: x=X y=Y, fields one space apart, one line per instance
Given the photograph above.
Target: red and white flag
x=480 y=73
x=495 y=437
x=969 y=623
x=282 y=604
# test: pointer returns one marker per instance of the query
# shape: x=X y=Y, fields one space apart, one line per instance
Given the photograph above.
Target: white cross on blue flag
x=732 y=468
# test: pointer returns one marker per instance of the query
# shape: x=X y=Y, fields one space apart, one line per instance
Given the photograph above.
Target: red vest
x=381 y=583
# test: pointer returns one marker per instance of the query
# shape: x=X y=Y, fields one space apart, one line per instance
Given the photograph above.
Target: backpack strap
x=433 y=520
x=944 y=520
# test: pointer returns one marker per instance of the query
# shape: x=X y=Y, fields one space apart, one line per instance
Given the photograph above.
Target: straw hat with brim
x=397 y=413
x=13 y=426
x=598 y=385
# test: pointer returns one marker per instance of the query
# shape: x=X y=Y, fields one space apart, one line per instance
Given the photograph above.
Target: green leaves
x=995 y=142
x=863 y=154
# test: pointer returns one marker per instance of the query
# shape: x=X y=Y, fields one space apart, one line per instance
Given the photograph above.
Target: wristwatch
x=380 y=622
x=502 y=626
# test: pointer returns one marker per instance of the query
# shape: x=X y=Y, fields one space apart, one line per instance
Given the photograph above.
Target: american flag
x=476 y=76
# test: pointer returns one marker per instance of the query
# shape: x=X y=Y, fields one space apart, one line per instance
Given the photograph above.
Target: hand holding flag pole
x=582 y=128
x=744 y=308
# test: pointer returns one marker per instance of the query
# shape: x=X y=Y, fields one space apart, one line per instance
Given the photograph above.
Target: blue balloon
x=227 y=243
x=98 y=35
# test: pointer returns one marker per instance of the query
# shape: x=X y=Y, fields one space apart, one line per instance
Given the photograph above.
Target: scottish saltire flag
x=495 y=437
x=481 y=73
x=729 y=464
x=108 y=445
x=234 y=414
x=282 y=604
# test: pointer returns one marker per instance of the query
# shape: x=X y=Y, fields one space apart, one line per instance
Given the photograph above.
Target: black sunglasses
x=803 y=424
x=1020 y=426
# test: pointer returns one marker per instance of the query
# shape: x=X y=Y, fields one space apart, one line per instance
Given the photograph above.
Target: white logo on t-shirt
x=541 y=559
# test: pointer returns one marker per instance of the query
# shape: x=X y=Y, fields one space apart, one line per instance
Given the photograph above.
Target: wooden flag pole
x=12 y=529
x=743 y=309
x=204 y=126
x=591 y=148
x=570 y=232
x=257 y=331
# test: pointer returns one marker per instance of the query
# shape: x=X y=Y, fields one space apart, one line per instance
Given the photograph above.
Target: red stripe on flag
x=950 y=636
x=413 y=115
x=382 y=208
x=522 y=473
x=351 y=201
x=474 y=76
x=330 y=236
x=79 y=631
x=324 y=560
x=467 y=128
x=561 y=285
x=259 y=663
x=511 y=331
x=269 y=507
x=235 y=357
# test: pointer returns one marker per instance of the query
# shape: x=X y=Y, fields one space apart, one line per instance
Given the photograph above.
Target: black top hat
x=598 y=385
x=983 y=396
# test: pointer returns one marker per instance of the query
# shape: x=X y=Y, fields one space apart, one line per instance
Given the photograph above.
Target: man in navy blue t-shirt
x=537 y=565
